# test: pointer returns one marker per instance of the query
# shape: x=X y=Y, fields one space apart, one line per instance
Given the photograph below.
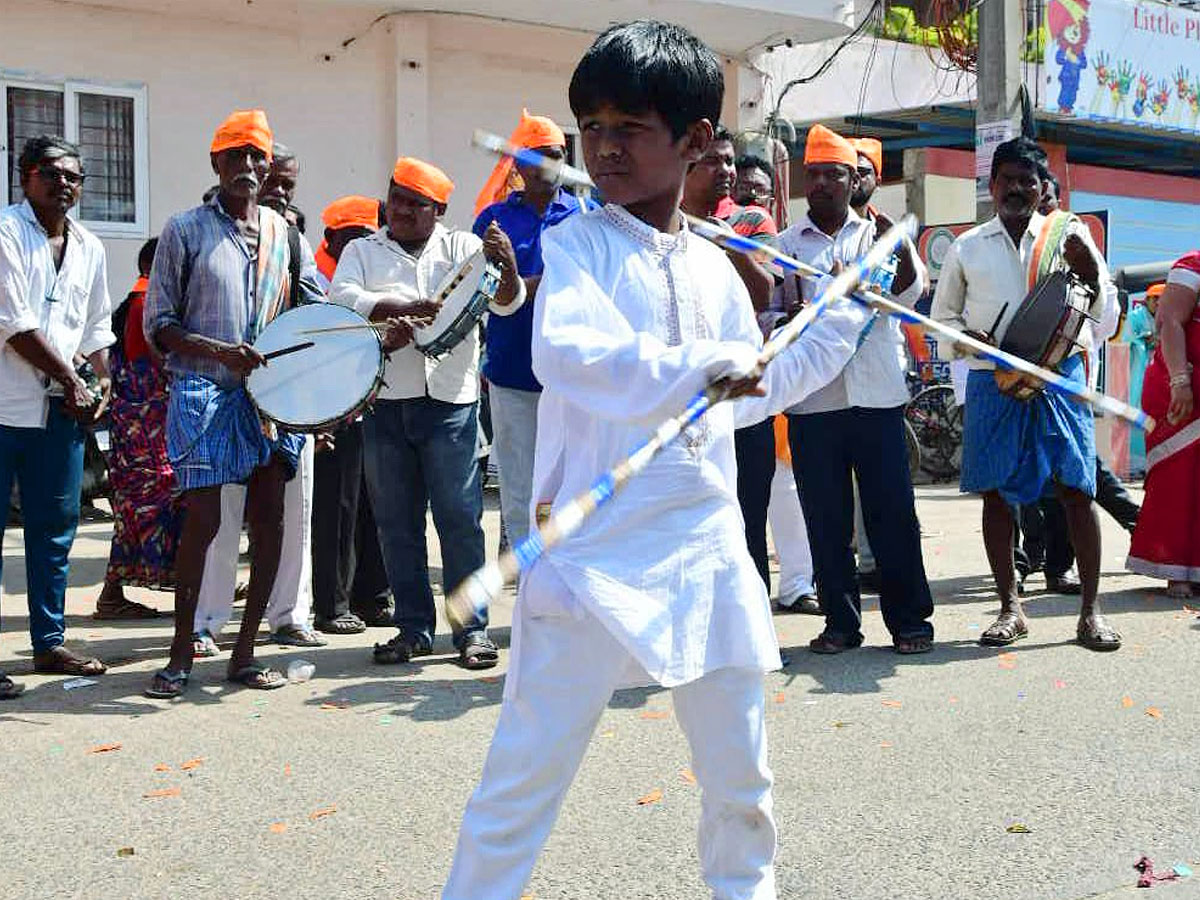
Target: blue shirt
x=509 y=338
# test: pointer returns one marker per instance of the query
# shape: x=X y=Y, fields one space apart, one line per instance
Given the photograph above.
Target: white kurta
x=630 y=323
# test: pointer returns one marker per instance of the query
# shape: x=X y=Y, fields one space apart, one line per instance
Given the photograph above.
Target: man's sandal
x=1008 y=628
x=126 y=610
x=9 y=688
x=204 y=645
x=909 y=646
x=61 y=661
x=1098 y=635
x=258 y=677
x=478 y=652
x=167 y=685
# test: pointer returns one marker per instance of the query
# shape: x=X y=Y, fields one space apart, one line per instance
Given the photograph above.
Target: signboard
x=1132 y=62
x=988 y=136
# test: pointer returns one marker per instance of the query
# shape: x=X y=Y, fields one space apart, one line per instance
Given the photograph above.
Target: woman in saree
x=1166 y=542
x=145 y=509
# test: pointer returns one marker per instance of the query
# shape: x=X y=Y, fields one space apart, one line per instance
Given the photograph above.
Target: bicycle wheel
x=937 y=422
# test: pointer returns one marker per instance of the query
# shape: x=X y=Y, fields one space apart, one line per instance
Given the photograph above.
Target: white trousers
x=291 y=594
x=568 y=669
x=790 y=535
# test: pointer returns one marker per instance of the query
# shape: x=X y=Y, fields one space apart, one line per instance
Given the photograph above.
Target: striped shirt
x=204 y=279
x=69 y=306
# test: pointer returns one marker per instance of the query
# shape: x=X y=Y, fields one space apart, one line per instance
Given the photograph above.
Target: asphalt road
x=896 y=777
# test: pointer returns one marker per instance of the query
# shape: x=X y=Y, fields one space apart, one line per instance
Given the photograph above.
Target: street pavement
x=896 y=777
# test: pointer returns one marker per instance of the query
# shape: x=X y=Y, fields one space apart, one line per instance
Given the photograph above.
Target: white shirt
x=984 y=272
x=629 y=325
x=69 y=306
x=875 y=376
x=375 y=267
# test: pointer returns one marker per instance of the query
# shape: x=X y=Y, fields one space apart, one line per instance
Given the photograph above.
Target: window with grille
x=108 y=124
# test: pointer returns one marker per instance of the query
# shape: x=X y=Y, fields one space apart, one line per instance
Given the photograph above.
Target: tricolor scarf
x=1048 y=248
x=273 y=288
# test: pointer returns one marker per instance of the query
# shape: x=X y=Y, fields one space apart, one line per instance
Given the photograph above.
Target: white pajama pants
x=291 y=594
x=566 y=670
x=790 y=535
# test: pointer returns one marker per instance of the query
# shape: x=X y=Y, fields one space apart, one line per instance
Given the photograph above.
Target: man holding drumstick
x=419 y=439
x=1012 y=448
x=220 y=274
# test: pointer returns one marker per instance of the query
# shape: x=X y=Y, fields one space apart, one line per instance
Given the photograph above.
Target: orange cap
x=244 y=128
x=1155 y=290
x=825 y=146
x=531 y=133
x=427 y=180
x=352 y=211
x=872 y=150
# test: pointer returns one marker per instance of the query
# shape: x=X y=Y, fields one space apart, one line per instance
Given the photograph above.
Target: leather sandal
x=1008 y=628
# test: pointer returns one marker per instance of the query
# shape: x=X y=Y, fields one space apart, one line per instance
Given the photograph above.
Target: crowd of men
x=337 y=521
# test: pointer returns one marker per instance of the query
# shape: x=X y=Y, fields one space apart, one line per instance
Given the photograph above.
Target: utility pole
x=998 y=115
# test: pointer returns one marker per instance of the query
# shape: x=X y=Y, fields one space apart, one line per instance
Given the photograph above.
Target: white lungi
x=569 y=666
x=790 y=535
x=291 y=595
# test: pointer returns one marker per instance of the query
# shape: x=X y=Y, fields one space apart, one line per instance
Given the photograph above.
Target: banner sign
x=1120 y=61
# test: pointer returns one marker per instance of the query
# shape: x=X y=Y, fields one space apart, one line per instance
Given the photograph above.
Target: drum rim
x=471 y=312
x=356 y=408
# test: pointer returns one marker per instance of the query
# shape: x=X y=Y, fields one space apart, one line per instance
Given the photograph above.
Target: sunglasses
x=53 y=173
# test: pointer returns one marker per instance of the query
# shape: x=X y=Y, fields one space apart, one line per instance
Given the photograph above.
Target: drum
x=1046 y=326
x=326 y=385
x=462 y=298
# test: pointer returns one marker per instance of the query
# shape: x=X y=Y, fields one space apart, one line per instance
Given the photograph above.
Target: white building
x=348 y=84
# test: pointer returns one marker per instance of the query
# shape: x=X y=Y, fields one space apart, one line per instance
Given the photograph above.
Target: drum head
x=461 y=305
x=323 y=384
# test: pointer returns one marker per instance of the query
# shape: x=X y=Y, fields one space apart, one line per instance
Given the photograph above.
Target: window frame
x=70 y=89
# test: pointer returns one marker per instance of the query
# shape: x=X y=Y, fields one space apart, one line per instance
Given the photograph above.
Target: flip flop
x=258 y=677
x=127 y=610
x=66 y=663
x=9 y=689
x=175 y=683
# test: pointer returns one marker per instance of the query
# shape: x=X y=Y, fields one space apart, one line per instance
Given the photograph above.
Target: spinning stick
x=1052 y=380
x=485 y=585
x=554 y=171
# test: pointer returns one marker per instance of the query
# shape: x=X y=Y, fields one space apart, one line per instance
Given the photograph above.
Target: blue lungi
x=1018 y=446
x=215 y=435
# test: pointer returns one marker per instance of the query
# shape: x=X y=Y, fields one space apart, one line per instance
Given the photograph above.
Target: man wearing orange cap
x=350 y=589
x=221 y=273
x=420 y=436
x=855 y=424
x=513 y=391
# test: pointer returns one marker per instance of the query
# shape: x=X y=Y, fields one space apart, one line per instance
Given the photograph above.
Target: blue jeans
x=47 y=465
x=420 y=454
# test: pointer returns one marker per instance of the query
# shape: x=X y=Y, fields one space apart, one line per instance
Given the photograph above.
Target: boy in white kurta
x=633 y=316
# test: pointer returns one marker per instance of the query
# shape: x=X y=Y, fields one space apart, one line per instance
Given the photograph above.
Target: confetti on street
x=653 y=797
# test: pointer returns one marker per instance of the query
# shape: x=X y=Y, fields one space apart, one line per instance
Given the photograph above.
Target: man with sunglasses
x=54 y=306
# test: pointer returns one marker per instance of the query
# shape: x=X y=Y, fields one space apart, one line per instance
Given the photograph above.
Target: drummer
x=220 y=274
x=1013 y=448
x=419 y=439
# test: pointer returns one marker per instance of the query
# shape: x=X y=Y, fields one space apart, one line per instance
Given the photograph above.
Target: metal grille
x=106 y=142
x=30 y=112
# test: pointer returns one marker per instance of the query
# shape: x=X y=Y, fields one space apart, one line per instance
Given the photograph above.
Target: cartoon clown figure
x=1068 y=24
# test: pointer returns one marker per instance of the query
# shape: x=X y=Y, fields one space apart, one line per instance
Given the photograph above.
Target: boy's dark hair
x=1023 y=151
x=648 y=66
x=44 y=147
x=754 y=161
x=146 y=256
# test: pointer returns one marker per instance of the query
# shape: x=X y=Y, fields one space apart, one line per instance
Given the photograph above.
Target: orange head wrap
x=352 y=211
x=532 y=133
x=1155 y=290
x=825 y=146
x=872 y=150
x=423 y=178
x=244 y=128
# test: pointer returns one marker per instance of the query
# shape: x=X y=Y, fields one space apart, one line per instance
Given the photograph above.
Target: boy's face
x=634 y=159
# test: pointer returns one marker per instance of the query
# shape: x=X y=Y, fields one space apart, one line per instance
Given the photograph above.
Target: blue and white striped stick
x=485 y=585
x=1052 y=380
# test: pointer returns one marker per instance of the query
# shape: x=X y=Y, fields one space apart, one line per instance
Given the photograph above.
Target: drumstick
x=1052 y=380
x=554 y=171
x=415 y=321
x=295 y=348
x=485 y=585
